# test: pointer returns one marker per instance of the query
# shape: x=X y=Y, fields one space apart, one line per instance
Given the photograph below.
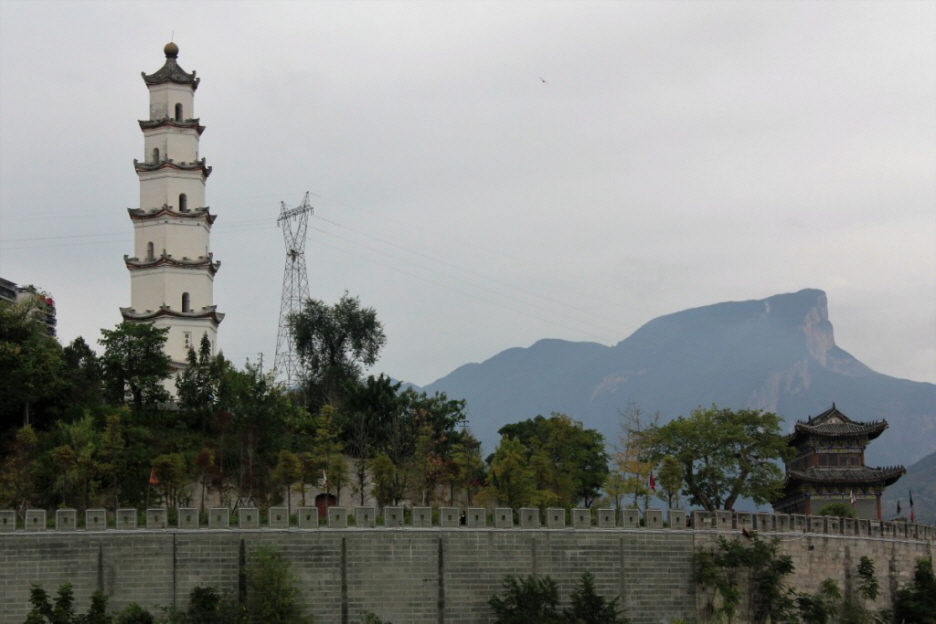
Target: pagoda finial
x=171 y=50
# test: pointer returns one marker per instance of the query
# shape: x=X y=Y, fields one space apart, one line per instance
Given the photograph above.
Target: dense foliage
x=725 y=455
x=548 y=462
x=535 y=600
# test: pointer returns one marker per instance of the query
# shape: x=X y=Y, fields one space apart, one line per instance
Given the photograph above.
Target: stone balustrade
x=370 y=518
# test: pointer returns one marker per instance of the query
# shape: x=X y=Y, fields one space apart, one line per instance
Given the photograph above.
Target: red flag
x=153 y=480
x=853 y=499
x=652 y=483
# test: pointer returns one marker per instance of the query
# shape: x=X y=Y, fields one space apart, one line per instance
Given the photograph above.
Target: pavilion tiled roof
x=833 y=423
x=856 y=475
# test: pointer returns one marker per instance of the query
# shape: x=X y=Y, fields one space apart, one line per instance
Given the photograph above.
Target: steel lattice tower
x=294 y=222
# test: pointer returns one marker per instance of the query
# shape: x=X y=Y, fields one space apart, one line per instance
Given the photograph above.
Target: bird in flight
x=542 y=80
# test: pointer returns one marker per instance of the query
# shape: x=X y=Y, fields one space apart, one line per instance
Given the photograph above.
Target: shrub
x=590 y=608
x=916 y=601
x=272 y=594
x=134 y=614
x=528 y=600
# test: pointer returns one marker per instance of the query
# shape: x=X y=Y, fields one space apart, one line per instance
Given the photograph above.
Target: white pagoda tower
x=172 y=270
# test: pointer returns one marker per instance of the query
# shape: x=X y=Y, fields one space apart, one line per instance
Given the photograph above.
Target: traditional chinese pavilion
x=829 y=466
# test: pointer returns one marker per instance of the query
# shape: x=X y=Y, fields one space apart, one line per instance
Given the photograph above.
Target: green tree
x=511 y=480
x=84 y=375
x=272 y=591
x=135 y=365
x=569 y=462
x=527 y=600
x=732 y=565
x=288 y=470
x=362 y=421
x=822 y=606
x=31 y=362
x=587 y=607
x=916 y=601
x=725 y=454
x=839 y=510
x=671 y=480
x=467 y=470
x=17 y=470
x=172 y=472
x=630 y=456
x=334 y=344
x=113 y=445
x=197 y=385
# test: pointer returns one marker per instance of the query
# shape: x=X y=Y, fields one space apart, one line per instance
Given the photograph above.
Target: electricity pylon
x=294 y=222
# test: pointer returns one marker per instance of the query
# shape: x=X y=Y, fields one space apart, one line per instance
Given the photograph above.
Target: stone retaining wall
x=424 y=571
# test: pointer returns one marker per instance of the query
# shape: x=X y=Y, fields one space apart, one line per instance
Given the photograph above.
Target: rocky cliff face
x=777 y=354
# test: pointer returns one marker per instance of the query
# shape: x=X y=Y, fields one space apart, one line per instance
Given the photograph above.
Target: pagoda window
x=185 y=302
x=150 y=255
x=178 y=112
x=183 y=203
x=155 y=155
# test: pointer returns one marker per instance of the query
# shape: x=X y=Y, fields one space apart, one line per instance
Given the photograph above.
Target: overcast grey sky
x=489 y=174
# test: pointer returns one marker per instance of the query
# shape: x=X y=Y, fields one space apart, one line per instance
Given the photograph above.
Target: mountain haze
x=777 y=354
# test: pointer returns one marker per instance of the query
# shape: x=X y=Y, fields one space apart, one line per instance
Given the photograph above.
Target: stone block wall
x=421 y=574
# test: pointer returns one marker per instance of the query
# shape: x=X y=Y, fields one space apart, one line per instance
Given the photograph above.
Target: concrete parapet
x=219 y=518
x=529 y=518
x=654 y=518
x=701 y=520
x=477 y=517
x=676 y=518
x=337 y=518
x=744 y=520
x=782 y=523
x=849 y=526
x=422 y=517
x=581 y=518
x=448 y=517
x=35 y=520
x=393 y=517
x=876 y=528
x=555 y=518
x=187 y=518
x=630 y=518
x=308 y=518
x=365 y=517
x=157 y=518
x=248 y=518
x=65 y=519
x=863 y=527
x=126 y=519
x=7 y=520
x=817 y=524
x=95 y=519
x=763 y=522
x=833 y=525
x=723 y=520
x=798 y=523
x=607 y=518
x=278 y=517
x=503 y=518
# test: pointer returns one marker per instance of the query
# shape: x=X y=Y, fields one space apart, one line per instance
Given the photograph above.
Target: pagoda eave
x=138 y=214
x=209 y=313
x=142 y=167
x=135 y=264
x=830 y=476
x=153 y=124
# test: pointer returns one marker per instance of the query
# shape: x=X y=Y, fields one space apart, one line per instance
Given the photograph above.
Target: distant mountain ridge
x=777 y=354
